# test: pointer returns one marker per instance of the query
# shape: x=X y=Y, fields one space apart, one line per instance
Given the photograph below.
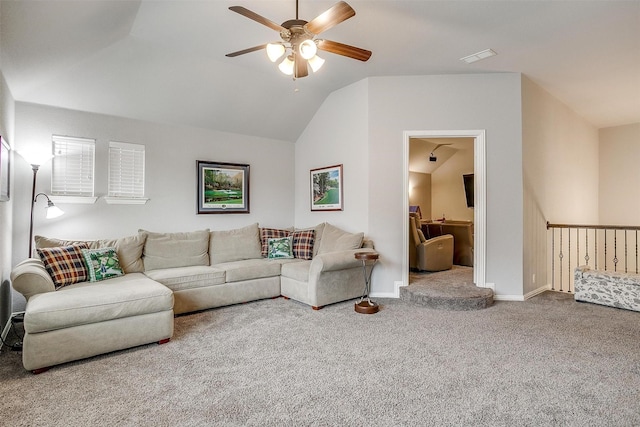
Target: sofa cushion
x=85 y=303
x=129 y=249
x=181 y=278
x=271 y=233
x=335 y=239
x=303 y=241
x=102 y=264
x=249 y=269
x=298 y=271
x=65 y=264
x=182 y=249
x=235 y=245
x=280 y=247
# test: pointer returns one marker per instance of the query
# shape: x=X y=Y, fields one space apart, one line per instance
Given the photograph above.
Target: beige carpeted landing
x=446 y=290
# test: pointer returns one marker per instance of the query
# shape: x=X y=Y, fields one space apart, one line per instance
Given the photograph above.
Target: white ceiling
x=165 y=61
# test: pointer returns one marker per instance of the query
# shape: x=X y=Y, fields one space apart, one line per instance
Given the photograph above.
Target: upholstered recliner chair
x=428 y=255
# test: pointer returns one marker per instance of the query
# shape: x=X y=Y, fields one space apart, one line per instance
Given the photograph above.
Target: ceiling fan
x=299 y=41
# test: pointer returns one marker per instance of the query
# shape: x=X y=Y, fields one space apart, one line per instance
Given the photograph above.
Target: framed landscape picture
x=326 y=189
x=222 y=187
x=5 y=170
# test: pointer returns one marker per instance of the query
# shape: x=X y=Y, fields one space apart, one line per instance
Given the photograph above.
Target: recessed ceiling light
x=478 y=56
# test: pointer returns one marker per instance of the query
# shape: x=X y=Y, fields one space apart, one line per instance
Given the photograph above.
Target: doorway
x=434 y=149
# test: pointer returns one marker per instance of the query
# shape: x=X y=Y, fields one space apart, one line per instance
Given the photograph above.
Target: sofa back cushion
x=181 y=249
x=129 y=249
x=335 y=239
x=234 y=245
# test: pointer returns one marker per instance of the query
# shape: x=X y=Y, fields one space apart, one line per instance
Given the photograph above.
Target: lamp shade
x=275 y=51
x=53 y=211
x=316 y=63
x=286 y=66
x=307 y=49
x=35 y=156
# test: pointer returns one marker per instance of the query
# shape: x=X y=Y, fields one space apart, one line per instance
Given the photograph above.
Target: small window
x=72 y=169
x=126 y=170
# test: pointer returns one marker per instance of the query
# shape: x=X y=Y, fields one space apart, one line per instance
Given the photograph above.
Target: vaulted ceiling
x=164 y=61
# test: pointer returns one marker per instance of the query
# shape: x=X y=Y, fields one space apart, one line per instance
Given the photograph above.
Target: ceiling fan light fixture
x=275 y=51
x=316 y=63
x=307 y=49
x=286 y=66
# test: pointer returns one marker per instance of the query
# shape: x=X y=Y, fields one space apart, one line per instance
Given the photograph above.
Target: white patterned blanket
x=621 y=290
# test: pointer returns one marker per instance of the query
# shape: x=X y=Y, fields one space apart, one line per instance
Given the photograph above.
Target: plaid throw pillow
x=270 y=233
x=64 y=264
x=303 y=244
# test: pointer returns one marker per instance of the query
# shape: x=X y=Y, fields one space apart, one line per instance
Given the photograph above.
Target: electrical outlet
x=533 y=278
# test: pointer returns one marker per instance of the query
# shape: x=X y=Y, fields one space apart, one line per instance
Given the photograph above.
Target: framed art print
x=326 y=189
x=222 y=187
x=5 y=170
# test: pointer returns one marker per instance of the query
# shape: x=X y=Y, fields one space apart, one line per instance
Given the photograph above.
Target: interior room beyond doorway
x=441 y=191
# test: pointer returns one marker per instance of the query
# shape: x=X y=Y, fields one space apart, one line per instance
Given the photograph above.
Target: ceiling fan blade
x=249 y=50
x=260 y=19
x=344 y=50
x=301 y=69
x=333 y=16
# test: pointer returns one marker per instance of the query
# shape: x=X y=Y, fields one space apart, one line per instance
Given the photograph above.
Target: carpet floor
x=548 y=361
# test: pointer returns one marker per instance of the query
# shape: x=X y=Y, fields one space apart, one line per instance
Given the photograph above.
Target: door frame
x=480 y=198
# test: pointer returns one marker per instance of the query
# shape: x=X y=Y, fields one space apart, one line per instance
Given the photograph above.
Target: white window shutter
x=72 y=169
x=126 y=170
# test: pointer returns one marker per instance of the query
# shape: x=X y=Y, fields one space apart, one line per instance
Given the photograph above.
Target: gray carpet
x=446 y=290
x=548 y=361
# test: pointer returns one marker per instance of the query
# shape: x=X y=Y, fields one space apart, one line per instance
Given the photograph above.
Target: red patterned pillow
x=65 y=264
x=303 y=244
x=271 y=233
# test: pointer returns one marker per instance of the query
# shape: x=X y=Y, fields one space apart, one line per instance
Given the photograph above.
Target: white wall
x=448 y=195
x=420 y=192
x=337 y=134
x=362 y=126
x=560 y=172
x=619 y=190
x=171 y=154
x=7 y=116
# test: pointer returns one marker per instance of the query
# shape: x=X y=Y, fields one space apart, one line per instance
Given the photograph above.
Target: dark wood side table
x=365 y=305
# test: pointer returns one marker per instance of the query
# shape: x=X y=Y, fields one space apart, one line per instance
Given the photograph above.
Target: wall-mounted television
x=469 y=185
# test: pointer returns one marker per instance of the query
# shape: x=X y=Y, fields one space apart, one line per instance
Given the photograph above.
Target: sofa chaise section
x=87 y=319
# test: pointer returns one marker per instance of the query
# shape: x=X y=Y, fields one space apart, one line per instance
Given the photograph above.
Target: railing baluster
x=560 y=255
x=553 y=259
x=586 y=247
x=626 y=259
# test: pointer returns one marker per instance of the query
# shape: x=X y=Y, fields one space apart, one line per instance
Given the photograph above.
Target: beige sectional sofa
x=175 y=273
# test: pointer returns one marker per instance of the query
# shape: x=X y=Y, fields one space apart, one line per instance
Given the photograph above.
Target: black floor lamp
x=52 y=210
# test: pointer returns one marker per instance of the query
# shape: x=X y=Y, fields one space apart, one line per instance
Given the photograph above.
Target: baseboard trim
x=384 y=295
x=537 y=291
x=522 y=297
x=508 y=297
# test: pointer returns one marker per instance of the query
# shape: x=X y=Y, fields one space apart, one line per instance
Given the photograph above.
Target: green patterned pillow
x=281 y=247
x=102 y=263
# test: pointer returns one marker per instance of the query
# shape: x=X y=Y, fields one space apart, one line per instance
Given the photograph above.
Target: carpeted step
x=447 y=296
x=447 y=290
